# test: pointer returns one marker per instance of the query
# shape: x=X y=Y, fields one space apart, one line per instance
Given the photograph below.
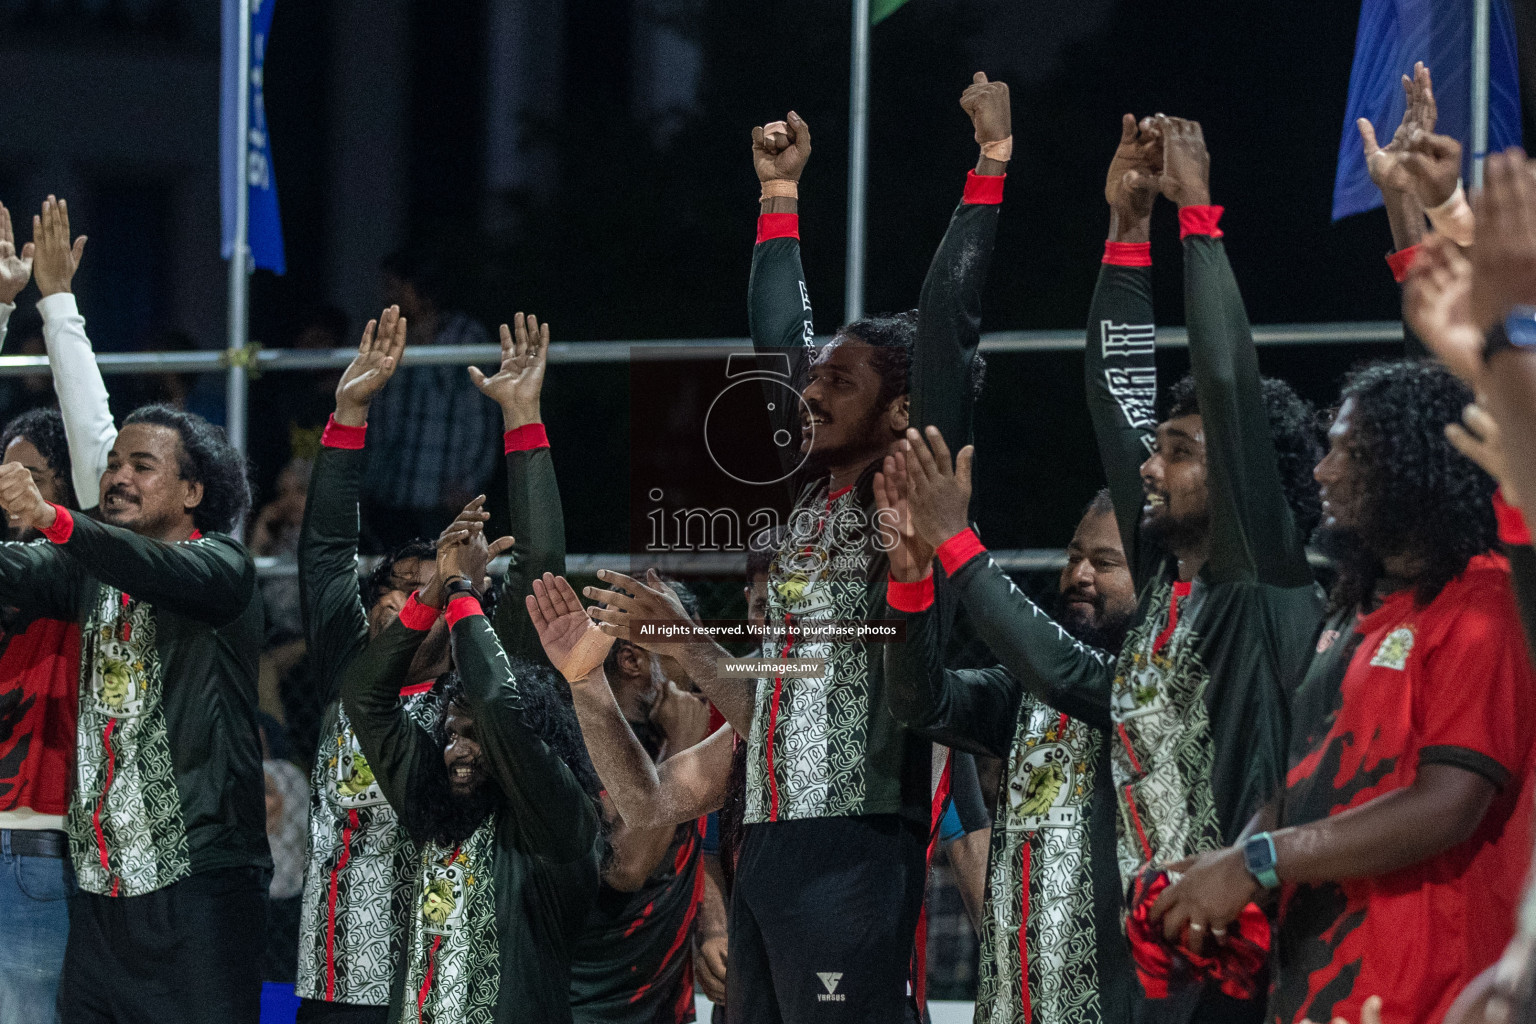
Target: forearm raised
x=733 y=698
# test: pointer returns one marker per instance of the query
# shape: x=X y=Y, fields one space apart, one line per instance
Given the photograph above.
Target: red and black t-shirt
x=1444 y=683
x=39 y=695
x=633 y=963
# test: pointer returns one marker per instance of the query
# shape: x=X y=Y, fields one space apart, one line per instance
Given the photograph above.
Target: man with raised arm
x=830 y=881
x=498 y=796
x=166 y=819
x=1212 y=523
x=362 y=863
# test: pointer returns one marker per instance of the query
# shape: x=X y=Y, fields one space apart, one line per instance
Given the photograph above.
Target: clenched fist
x=987 y=104
x=24 y=504
x=780 y=154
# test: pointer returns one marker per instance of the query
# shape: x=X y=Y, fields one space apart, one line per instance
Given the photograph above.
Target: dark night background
x=623 y=207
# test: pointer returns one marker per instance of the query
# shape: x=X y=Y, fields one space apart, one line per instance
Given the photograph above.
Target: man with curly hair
x=1213 y=505
x=167 y=819
x=1401 y=840
x=498 y=797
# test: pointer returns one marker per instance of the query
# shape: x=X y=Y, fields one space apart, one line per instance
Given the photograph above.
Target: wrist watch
x=1518 y=330
x=458 y=586
x=1259 y=859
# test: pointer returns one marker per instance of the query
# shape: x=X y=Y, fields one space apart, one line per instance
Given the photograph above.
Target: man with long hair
x=1401 y=840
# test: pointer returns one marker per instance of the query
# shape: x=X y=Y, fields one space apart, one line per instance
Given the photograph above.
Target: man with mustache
x=362 y=861
x=1212 y=523
x=1050 y=930
x=499 y=797
x=830 y=879
x=1407 y=803
x=167 y=816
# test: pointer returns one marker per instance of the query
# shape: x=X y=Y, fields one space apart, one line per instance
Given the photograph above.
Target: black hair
x=544 y=704
x=45 y=429
x=762 y=546
x=206 y=458
x=1415 y=493
x=377 y=582
x=894 y=339
x=1102 y=504
x=1293 y=426
x=423 y=272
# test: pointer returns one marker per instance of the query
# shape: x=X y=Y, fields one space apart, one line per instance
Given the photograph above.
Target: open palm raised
x=571 y=639
x=378 y=354
x=518 y=383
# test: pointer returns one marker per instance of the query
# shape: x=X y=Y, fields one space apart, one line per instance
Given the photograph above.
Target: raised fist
x=780 y=149
x=987 y=104
x=1186 y=177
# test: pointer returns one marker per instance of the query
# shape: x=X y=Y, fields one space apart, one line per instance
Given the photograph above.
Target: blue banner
x=1392 y=35
x=250 y=159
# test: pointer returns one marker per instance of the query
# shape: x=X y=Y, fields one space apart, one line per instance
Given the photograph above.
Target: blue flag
x=248 y=162
x=1392 y=35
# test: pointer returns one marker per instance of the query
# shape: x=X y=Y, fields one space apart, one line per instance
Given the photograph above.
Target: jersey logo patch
x=443 y=895
x=1046 y=787
x=1328 y=638
x=829 y=980
x=1394 y=650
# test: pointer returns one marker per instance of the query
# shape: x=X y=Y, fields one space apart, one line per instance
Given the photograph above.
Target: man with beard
x=1050 y=934
x=167 y=814
x=1212 y=524
x=1402 y=838
x=499 y=797
x=633 y=960
x=362 y=863
x=830 y=880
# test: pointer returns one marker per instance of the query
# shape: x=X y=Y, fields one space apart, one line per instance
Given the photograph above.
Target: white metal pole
x=858 y=160
x=240 y=258
x=1479 y=89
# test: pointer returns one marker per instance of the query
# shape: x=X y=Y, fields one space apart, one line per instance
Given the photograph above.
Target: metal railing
x=261 y=359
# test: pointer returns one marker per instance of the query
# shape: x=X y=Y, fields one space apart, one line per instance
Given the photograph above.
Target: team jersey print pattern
x=127 y=835
x=1161 y=749
x=454 y=967
x=358 y=880
x=814 y=764
x=1038 y=942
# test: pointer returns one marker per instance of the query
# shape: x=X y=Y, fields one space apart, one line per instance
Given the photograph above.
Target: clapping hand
x=378 y=355
x=517 y=385
x=911 y=556
x=938 y=490
x=15 y=269
x=571 y=640
x=1388 y=165
x=1186 y=179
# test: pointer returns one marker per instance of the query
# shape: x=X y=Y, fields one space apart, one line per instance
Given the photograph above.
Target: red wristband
x=910 y=597
x=777 y=225
x=958 y=550
x=1128 y=254
x=1401 y=261
x=983 y=189
x=526 y=438
x=1200 y=220
x=416 y=615
x=462 y=607
x=339 y=435
x=63 y=525
x=1512 y=528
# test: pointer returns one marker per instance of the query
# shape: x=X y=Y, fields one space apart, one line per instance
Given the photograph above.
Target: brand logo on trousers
x=829 y=980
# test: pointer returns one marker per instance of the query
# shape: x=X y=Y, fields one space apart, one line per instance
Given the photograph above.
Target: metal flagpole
x=858 y=161
x=1480 y=16
x=240 y=258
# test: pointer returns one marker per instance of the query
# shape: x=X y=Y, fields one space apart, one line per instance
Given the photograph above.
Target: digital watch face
x=752 y=428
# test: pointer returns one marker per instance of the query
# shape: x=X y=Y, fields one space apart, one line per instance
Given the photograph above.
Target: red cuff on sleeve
x=1512 y=528
x=777 y=225
x=958 y=550
x=1400 y=261
x=910 y=597
x=416 y=615
x=1128 y=254
x=462 y=607
x=1200 y=220
x=526 y=438
x=983 y=189
x=63 y=525
x=339 y=435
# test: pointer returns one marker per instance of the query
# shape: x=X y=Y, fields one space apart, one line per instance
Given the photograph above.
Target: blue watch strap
x=1259 y=858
